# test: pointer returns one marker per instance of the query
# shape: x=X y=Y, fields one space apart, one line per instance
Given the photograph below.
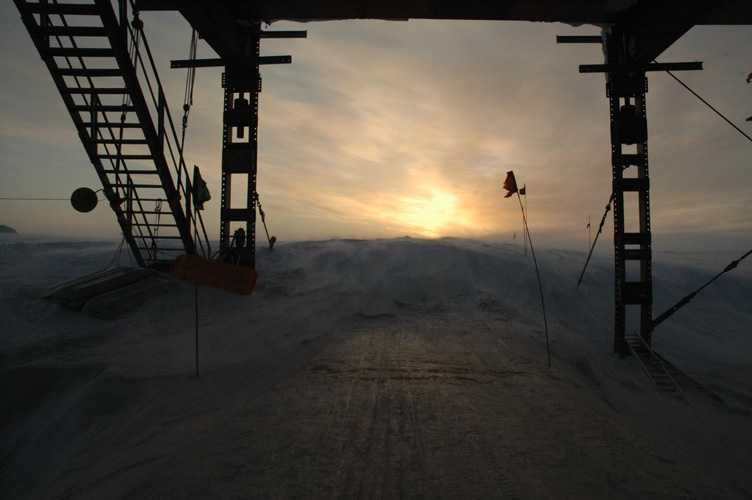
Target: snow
x=400 y=368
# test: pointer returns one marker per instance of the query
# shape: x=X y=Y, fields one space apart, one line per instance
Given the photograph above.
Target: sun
x=431 y=215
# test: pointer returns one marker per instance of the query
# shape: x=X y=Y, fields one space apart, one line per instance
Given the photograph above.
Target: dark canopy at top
x=655 y=24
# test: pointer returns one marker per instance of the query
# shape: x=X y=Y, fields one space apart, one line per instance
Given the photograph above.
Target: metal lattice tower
x=631 y=195
x=626 y=86
x=242 y=84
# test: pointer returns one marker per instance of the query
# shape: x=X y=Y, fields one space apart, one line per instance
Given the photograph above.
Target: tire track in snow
x=485 y=471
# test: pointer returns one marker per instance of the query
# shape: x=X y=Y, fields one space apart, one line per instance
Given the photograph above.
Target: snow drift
x=380 y=368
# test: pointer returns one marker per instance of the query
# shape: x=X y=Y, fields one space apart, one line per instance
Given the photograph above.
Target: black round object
x=84 y=199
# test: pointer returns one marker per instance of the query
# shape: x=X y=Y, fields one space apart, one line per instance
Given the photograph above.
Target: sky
x=387 y=129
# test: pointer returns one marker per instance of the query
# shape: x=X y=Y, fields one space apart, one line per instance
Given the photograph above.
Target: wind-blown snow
x=379 y=368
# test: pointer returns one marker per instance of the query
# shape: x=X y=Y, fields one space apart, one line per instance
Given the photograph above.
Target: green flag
x=200 y=190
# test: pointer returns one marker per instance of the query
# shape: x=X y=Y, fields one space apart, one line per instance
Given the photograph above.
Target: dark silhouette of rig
x=103 y=70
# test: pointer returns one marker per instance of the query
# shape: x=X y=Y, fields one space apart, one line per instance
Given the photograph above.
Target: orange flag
x=510 y=184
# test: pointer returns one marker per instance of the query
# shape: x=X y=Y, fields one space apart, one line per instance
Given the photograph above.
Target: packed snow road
x=417 y=408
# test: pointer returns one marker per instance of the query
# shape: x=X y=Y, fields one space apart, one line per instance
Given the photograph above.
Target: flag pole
x=194 y=186
x=510 y=184
x=537 y=273
x=524 y=214
x=195 y=214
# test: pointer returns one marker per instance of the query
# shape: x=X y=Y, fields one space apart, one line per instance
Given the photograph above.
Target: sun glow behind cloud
x=431 y=215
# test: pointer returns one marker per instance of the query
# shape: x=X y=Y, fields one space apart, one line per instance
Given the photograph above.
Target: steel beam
x=219 y=62
x=639 y=68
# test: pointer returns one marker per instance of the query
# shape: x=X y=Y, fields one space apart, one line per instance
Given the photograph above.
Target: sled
x=120 y=301
x=216 y=274
x=76 y=293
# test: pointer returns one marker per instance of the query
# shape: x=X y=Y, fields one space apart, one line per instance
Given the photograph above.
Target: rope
x=158 y=210
x=272 y=240
x=660 y=319
x=600 y=229
x=190 y=80
x=191 y=75
x=116 y=257
x=708 y=105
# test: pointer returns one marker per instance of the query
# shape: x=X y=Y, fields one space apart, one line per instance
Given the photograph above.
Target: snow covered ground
x=396 y=368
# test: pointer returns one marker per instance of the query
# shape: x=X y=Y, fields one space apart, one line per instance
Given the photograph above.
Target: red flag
x=510 y=184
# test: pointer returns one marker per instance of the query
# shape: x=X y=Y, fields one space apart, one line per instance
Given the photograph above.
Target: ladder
x=655 y=367
x=102 y=67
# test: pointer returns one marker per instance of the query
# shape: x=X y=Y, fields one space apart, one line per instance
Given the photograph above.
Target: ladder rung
x=73 y=31
x=162 y=249
x=130 y=172
x=93 y=90
x=93 y=72
x=120 y=141
x=105 y=125
x=137 y=186
x=237 y=214
x=103 y=107
x=81 y=52
x=62 y=8
x=127 y=157
x=636 y=254
x=147 y=224
x=160 y=237
x=636 y=239
x=635 y=292
x=635 y=184
x=629 y=159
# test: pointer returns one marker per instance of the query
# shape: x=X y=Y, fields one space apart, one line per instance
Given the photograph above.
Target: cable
x=600 y=229
x=708 y=105
x=35 y=199
x=660 y=319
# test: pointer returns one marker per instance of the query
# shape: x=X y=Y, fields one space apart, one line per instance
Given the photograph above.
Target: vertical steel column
x=631 y=188
x=242 y=84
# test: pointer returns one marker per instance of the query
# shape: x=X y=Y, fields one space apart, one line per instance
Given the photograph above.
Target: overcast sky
x=384 y=129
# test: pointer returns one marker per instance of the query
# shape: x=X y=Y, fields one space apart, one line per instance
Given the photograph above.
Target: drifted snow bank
x=391 y=368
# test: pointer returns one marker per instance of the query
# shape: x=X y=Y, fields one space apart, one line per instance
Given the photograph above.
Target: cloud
x=393 y=128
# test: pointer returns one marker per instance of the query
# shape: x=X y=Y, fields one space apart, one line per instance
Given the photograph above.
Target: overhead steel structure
x=101 y=64
x=635 y=33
